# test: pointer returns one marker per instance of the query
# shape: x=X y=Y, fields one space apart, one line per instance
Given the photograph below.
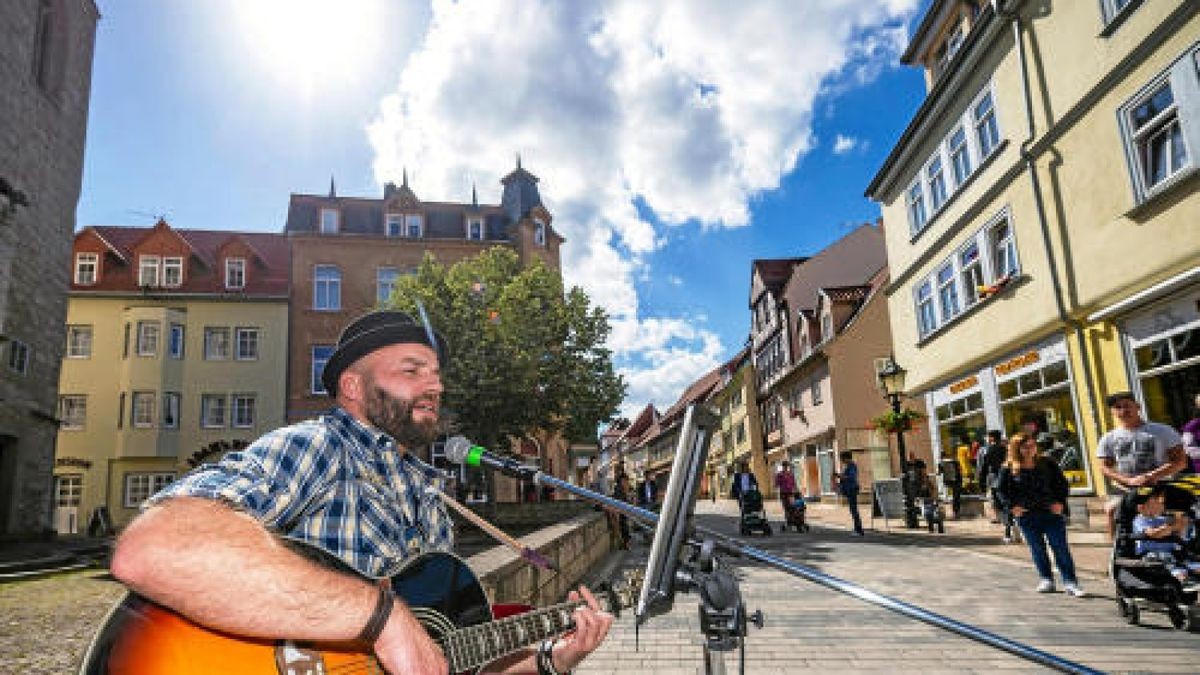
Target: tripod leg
x=714 y=662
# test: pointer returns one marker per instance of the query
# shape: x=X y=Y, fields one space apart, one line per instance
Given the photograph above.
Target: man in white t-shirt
x=1136 y=452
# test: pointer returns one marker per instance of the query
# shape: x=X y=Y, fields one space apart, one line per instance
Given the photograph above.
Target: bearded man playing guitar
x=215 y=547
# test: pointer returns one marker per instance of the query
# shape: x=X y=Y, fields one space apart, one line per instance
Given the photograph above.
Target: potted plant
x=893 y=422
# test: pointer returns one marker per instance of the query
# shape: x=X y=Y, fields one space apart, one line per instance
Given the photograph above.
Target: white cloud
x=844 y=144
x=686 y=108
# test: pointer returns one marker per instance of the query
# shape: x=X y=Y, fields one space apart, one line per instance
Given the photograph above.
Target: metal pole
x=737 y=548
x=910 y=508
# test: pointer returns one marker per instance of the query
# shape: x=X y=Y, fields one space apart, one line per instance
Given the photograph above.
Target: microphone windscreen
x=456 y=449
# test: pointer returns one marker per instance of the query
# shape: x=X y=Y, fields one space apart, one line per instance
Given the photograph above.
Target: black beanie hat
x=375 y=331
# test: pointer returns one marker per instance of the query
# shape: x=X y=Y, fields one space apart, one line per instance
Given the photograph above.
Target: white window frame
x=946 y=279
x=315 y=386
x=171 y=406
x=414 y=225
x=914 y=201
x=173 y=330
x=243 y=411
x=959 y=155
x=172 y=272
x=235 y=273
x=385 y=281
x=1008 y=245
x=79 y=342
x=148 y=334
x=210 y=404
x=142 y=485
x=18 y=356
x=215 y=350
x=971 y=274
x=329 y=221
x=923 y=296
x=72 y=412
x=814 y=390
x=327 y=288
x=1111 y=9
x=1182 y=77
x=246 y=342
x=141 y=410
x=826 y=326
x=539 y=233
x=474 y=229
x=87 y=268
x=989 y=122
x=935 y=181
x=148 y=270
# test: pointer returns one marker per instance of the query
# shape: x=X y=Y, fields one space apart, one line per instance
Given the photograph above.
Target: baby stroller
x=1147 y=582
x=794 y=514
x=935 y=515
x=754 y=516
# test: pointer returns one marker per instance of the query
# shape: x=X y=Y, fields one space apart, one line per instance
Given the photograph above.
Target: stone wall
x=514 y=516
x=575 y=546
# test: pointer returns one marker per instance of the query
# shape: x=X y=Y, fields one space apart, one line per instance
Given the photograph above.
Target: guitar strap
x=531 y=556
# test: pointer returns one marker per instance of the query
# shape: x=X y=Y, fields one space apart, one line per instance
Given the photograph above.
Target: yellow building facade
x=1043 y=221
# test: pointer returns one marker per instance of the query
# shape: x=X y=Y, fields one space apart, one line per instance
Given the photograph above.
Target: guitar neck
x=475 y=646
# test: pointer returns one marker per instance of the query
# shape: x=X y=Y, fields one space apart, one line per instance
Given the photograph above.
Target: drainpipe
x=1011 y=10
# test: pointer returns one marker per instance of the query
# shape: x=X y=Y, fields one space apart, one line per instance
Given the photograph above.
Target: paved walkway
x=972 y=578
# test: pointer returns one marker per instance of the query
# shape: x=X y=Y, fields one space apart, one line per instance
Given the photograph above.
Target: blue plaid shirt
x=336 y=484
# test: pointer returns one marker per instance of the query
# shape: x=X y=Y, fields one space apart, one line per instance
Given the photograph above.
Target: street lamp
x=891 y=379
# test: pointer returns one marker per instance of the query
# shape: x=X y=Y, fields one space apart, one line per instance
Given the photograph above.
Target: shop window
x=1168 y=371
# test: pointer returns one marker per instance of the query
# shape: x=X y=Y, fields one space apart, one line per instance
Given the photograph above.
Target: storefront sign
x=964 y=384
x=74 y=462
x=1018 y=362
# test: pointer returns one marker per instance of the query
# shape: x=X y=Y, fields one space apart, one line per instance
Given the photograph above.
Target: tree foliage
x=524 y=356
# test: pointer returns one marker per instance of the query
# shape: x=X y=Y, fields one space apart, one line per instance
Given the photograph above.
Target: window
x=44 y=48
x=949 y=48
x=243 y=410
x=926 y=318
x=413 y=225
x=72 y=411
x=1156 y=138
x=170 y=410
x=247 y=344
x=475 y=229
x=172 y=272
x=736 y=401
x=741 y=432
x=175 y=346
x=86 y=267
x=147 y=338
x=987 y=130
x=1112 y=8
x=385 y=279
x=394 y=224
x=216 y=343
x=329 y=221
x=235 y=273
x=947 y=292
x=148 y=270
x=936 y=179
x=815 y=391
x=916 y=208
x=971 y=272
x=142 y=416
x=826 y=327
x=960 y=156
x=141 y=486
x=539 y=233
x=79 y=342
x=212 y=411
x=1004 y=250
x=327 y=288
x=121 y=410
x=68 y=489
x=320 y=356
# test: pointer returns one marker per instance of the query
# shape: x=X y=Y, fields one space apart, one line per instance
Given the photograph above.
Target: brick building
x=45 y=83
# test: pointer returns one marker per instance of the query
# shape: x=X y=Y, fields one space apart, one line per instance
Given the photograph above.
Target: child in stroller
x=1153 y=553
x=794 y=514
x=753 y=515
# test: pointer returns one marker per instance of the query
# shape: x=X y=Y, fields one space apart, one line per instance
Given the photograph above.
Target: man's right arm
x=222 y=569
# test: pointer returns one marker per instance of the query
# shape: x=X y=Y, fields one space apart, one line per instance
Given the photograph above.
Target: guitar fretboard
x=478 y=645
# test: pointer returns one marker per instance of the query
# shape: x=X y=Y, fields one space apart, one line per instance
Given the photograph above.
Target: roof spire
x=404 y=182
x=518 y=160
x=474 y=196
x=332 y=188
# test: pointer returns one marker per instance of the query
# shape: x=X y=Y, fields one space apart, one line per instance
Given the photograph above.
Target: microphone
x=459 y=450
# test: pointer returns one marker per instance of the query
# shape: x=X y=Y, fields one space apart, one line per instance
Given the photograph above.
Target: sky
x=676 y=140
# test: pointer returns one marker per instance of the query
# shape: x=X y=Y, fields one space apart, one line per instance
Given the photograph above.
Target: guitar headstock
x=622 y=591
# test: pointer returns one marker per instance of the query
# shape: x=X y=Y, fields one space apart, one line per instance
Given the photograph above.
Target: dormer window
x=148 y=270
x=414 y=226
x=394 y=224
x=330 y=221
x=235 y=273
x=949 y=48
x=172 y=272
x=826 y=327
x=539 y=233
x=475 y=229
x=87 y=265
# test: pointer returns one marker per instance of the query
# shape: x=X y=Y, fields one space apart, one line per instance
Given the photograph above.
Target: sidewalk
x=24 y=559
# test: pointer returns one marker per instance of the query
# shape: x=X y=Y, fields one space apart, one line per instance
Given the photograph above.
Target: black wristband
x=379 y=617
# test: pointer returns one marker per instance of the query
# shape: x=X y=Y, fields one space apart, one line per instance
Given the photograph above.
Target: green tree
x=524 y=356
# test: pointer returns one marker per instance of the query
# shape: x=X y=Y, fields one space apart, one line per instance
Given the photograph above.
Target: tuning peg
x=757 y=618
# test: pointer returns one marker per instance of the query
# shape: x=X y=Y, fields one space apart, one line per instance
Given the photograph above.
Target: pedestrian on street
x=1035 y=490
x=743 y=480
x=952 y=478
x=621 y=493
x=785 y=484
x=849 y=487
x=1136 y=452
x=1190 y=436
x=991 y=459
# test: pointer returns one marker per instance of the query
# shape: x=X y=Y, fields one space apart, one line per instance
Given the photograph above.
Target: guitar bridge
x=293 y=659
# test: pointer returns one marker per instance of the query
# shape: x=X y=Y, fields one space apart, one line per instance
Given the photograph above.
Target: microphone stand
x=715 y=588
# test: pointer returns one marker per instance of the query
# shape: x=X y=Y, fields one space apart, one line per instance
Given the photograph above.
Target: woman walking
x=1034 y=490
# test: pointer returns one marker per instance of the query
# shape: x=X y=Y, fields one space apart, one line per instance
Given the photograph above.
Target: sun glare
x=311 y=42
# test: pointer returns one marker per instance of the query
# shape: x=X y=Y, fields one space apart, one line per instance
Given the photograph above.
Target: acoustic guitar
x=139 y=637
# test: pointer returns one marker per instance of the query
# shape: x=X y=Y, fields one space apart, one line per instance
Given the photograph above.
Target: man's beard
x=393 y=416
